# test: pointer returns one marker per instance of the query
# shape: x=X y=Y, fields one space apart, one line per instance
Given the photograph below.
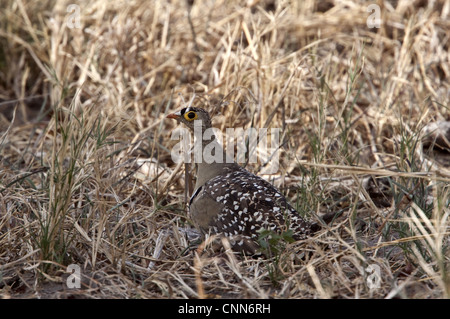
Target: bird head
x=189 y=115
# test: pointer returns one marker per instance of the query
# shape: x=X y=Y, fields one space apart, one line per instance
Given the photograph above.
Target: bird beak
x=175 y=115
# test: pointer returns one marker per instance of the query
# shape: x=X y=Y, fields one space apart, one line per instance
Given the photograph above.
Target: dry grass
x=86 y=172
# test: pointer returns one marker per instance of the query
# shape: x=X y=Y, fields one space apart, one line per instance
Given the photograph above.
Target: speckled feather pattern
x=249 y=204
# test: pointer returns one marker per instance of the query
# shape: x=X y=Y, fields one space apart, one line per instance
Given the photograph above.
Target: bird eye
x=190 y=116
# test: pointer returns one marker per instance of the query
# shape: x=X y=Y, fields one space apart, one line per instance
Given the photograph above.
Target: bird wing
x=250 y=203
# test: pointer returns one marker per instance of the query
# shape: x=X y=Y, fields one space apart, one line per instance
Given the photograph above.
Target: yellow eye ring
x=190 y=116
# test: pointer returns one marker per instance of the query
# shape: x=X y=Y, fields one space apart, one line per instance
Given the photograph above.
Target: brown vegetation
x=86 y=175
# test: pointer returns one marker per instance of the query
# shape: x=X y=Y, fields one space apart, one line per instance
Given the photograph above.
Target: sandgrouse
x=232 y=202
